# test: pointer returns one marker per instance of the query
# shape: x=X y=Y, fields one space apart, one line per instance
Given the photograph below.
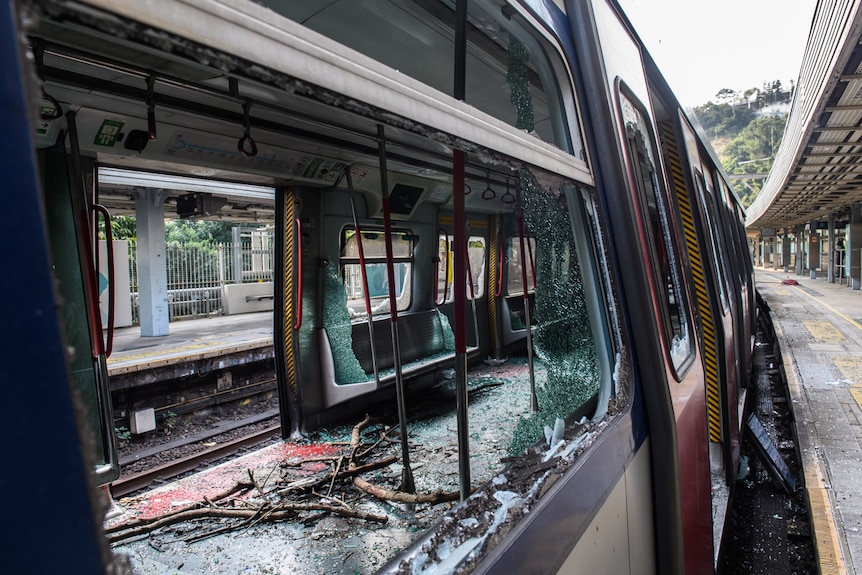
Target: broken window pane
x=562 y=338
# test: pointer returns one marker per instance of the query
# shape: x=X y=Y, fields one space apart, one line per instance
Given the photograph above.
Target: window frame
x=349 y=260
x=679 y=363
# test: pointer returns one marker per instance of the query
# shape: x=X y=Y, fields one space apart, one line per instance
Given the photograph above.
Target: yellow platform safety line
x=824 y=331
x=830 y=558
x=781 y=292
x=850 y=367
x=122 y=364
x=856 y=392
x=845 y=317
x=289 y=262
x=710 y=355
x=157 y=352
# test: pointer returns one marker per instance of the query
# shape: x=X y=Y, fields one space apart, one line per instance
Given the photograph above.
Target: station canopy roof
x=818 y=168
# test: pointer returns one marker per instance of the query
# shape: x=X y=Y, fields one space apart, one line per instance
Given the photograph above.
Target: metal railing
x=196 y=273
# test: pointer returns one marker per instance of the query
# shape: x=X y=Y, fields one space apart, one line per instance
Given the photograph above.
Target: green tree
x=725 y=94
x=122 y=228
x=723 y=120
x=752 y=151
x=192 y=231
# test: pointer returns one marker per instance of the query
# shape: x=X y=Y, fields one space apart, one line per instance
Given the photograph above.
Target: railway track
x=137 y=481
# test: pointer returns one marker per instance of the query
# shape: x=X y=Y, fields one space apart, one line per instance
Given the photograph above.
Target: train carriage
x=452 y=182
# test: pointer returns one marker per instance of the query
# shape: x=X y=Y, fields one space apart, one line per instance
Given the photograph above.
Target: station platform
x=819 y=328
x=192 y=345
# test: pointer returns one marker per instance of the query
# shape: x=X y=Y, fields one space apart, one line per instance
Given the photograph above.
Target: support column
x=236 y=254
x=853 y=243
x=799 y=259
x=764 y=255
x=775 y=252
x=152 y=266
x=830 y=273
x=785 y=250
x=813 y=250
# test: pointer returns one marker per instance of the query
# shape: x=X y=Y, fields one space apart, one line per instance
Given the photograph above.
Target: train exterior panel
x=452 y=182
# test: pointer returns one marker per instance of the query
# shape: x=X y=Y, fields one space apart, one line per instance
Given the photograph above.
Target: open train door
x=45 y=478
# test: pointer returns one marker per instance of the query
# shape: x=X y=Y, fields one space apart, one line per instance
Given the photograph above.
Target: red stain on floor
x=207 y=484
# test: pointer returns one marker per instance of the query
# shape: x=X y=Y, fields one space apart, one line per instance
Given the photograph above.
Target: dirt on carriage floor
x=282 y=509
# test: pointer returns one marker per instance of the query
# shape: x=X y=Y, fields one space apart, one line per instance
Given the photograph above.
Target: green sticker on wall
x=108 y=133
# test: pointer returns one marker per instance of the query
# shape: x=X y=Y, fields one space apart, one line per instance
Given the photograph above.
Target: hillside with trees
x=745 y=128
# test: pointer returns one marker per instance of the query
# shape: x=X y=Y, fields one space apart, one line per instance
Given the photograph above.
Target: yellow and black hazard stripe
x=289 y=275
x=493 y=251
x=710 y=346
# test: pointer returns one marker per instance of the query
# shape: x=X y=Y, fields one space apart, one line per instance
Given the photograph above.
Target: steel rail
x=137 y=481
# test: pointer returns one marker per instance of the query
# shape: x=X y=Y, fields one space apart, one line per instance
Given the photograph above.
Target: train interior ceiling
x=178 y=112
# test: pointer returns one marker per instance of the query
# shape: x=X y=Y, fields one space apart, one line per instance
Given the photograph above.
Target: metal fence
x=197 y=272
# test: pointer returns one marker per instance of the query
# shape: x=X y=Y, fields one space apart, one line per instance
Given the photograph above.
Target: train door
x=672 y=312
x=738 y=342
x=292 y=308
x=718 y=311
x=71 y=216
x=722 y=399
x=476 y=268
x=518 y=282
x=44 y=449
x=645 y=230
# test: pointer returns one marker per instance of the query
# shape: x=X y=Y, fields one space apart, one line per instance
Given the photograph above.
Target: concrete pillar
x=800 y=250
x=236 y=254
x=785 y=250
x=761 y=250
x=756 y=250
x=813 y=250
x=775 y=252
x=152 y=266
x=853 y=249
x=830 y=273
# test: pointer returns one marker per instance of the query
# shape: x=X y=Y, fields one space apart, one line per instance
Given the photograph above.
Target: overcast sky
x=702 y=46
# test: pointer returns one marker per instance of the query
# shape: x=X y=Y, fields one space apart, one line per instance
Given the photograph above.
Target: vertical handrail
x=97 y=343
x=364 y=275
x=459 y=160
x=297 y=228
x=109 y=235
x=407 y=483
x=534 y=400
x=84 y=242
